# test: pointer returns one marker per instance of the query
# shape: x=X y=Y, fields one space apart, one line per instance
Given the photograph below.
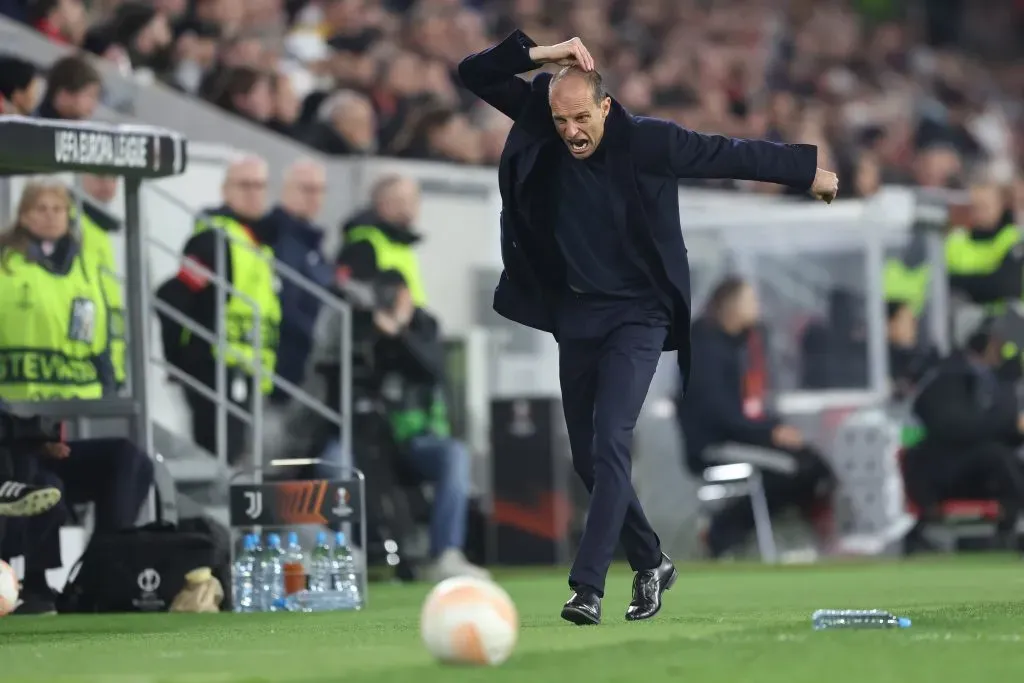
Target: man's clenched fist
x=825 y=185
x=570 y=53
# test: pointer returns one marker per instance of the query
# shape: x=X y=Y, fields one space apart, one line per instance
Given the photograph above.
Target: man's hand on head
x=570 y=53
x=825 y=185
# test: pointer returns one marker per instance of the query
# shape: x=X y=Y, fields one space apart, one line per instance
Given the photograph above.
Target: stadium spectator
x=291 y=226
x=919 y=102
x=724 y=415
x=62 y=21
x=194 y=56
x=346 y=125
x=136 y=30
x=246 y=92
x=72 y=90
x=973 y=424
x=20 y=86
x=286 y=106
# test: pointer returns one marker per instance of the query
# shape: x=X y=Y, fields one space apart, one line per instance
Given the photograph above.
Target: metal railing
x=225 y=355
x=341 y=418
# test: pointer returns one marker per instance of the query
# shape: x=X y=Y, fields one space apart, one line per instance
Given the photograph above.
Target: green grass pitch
x=728 y=623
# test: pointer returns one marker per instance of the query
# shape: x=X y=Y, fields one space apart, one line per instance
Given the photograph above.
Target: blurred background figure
x=292 y=230
x=972 y=425
x=728 y=413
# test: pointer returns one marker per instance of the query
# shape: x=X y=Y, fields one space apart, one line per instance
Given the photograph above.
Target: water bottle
x=320 y=565
x=318 y=601
x=294 y=566
x=275 y=573
x=343 y=572
x=856 y=618
x=260 y=575
x=242 y=577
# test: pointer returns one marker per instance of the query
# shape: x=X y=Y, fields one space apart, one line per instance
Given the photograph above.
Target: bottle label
x=294 y=578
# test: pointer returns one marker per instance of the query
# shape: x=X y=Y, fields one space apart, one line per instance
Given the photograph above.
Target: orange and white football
x=469 y=621
x=8 y=589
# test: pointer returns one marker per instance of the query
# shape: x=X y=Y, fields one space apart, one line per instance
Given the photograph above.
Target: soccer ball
x=8 y=589
x=469 y=621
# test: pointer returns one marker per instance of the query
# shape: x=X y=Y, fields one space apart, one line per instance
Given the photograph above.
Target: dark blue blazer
x=646 y=156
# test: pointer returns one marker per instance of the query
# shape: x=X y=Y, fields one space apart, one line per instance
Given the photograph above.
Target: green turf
x=733 y=623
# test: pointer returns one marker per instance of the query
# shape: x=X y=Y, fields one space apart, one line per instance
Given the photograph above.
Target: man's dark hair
x=71 y=74
x=592 y=78
x=15 y=75
x=724 y=294
x=236 y=82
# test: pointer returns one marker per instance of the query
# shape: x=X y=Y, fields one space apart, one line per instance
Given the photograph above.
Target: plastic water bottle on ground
x=318 y=601
x=275 y=573
x=343 y=572
x=260 y=575
x=320 y=565
x=294 y=566
x=825 y=619
x=245 y=596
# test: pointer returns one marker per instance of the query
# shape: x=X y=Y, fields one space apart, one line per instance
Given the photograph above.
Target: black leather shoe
x=583 y=609
x=648 y=585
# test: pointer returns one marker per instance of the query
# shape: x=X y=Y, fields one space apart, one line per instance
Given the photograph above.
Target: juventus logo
x=254 y=505
x=11 y=489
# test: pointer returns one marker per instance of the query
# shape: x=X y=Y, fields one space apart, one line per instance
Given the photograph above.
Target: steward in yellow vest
x=53 y=317
x=374 y=246
x=248 y=266
x=985 y=262
x=96 y=226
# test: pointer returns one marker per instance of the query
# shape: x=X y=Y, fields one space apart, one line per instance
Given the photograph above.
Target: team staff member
x=97 y=226
x=53 y=346
x=983 y=261
x=248 y=260
x=731 y=411
x=972 y=424
x=382 y=239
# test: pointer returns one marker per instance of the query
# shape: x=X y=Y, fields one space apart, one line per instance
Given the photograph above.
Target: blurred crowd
x=931 y=94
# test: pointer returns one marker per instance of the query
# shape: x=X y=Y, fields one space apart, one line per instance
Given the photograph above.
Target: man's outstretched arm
x=695 y=155
x=492 y=75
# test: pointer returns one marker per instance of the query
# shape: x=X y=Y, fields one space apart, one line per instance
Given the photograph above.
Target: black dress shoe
x=583 y=609
x=648 y=585
x=36 y=603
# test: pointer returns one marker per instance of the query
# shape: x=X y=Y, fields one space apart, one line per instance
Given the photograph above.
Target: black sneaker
x=23 y=500
x=35 y=603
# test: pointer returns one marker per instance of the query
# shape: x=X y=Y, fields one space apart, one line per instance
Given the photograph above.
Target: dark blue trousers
x=608 y=352
x=111 y=473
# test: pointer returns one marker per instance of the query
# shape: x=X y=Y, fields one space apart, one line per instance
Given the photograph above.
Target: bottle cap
x=293 y=538
x=321 y=538
x=273 y=539
x=339 y=538
x=903 y=622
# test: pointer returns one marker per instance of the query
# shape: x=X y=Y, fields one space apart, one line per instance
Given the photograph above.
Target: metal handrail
x=342 y=418
x=219 y=338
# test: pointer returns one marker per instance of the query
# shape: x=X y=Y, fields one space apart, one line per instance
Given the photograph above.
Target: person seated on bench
x=727 y=406
x=973 y=424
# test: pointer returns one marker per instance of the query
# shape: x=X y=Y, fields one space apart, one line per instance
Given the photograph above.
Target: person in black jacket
x=973 y=422
x=725 y=414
